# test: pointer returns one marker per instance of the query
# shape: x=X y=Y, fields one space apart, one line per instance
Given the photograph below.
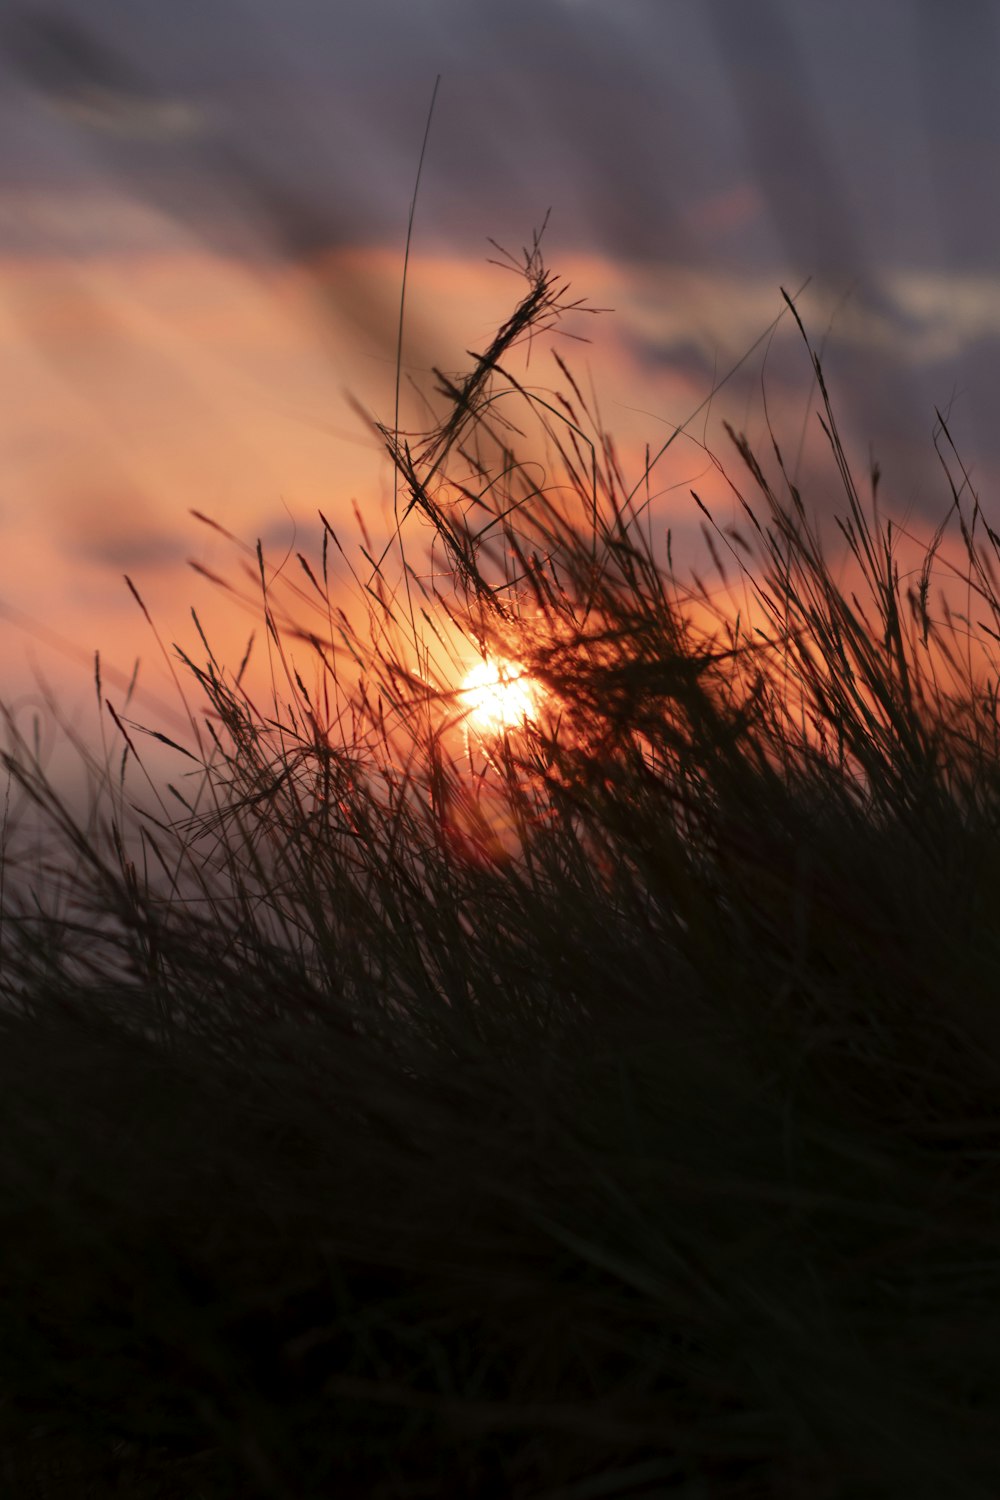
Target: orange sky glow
x=144 y=387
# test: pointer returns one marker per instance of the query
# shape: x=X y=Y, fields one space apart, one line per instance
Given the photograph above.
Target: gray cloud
x=865 y=129
x=760 y=140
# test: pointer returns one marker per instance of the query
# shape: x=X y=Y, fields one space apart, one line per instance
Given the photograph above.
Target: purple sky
x=870 y=130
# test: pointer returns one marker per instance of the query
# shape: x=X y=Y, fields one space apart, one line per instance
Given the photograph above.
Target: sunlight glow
x=497 y=696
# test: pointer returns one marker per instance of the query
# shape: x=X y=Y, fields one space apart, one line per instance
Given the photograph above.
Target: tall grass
x=606 y=1106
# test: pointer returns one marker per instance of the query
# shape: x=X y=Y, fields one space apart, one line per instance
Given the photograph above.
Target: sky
x=202 y=218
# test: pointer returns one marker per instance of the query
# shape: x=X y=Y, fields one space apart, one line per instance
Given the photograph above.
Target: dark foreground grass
x=607 y=1108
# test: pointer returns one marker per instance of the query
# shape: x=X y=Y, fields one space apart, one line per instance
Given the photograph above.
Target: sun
x=498 y=696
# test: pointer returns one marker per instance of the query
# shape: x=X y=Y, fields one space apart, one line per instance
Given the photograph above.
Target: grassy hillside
x=604 y=1104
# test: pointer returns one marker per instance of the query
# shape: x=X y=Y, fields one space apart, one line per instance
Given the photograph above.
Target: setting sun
x=498 y=696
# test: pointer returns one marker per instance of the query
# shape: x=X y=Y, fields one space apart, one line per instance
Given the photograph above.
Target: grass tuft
x=601 y=1106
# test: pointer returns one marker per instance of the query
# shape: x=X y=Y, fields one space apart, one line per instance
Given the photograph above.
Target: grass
x=606 y=1107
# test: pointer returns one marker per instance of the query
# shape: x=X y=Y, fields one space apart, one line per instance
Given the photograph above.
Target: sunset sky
x=202 y=214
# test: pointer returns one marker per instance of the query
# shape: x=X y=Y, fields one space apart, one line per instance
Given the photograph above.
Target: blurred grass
x=606 y=1107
